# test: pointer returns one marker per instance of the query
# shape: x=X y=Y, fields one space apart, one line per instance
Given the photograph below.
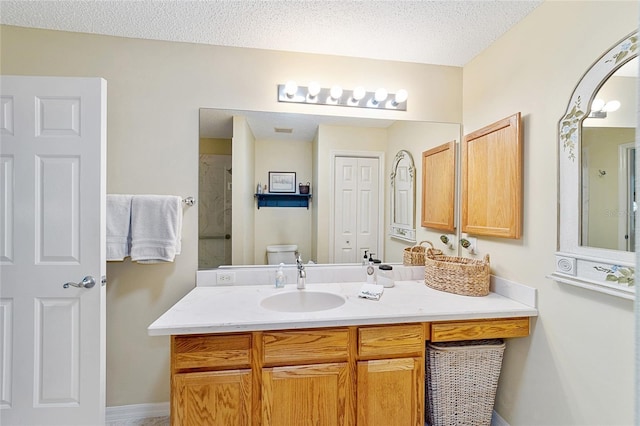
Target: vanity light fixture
x=600 y=108
x=336 y=95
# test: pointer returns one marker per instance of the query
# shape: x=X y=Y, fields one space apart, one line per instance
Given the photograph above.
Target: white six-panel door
x=52 y=207
x=356 y=201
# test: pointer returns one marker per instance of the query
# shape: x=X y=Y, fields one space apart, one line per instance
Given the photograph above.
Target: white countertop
x=224 y=309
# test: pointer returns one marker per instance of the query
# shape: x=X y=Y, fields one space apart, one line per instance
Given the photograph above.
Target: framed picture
x=282 y=182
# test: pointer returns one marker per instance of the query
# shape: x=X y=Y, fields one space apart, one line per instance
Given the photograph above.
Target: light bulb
x=401 y=96
x=597 y=105
x=314 y=89
x=381 y=95
x=336 y=92
x=611 y=106
x=290 y=88
x=358 y=93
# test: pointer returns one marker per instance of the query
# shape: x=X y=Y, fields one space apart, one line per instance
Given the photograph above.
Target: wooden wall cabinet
x=346 y=376
x=438 y=187
x=492 y=180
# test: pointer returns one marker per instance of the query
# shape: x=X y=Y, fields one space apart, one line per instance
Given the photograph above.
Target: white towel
x=118 y=226
x=156 y=228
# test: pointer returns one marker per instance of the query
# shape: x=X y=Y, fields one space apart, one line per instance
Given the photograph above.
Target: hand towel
x=156 y=228
x=118 y=226
x=371 y=291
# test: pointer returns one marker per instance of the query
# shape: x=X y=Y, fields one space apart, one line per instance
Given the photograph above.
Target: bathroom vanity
x=257 y=355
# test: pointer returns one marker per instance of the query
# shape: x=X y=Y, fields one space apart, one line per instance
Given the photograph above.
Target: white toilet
x=278 y=254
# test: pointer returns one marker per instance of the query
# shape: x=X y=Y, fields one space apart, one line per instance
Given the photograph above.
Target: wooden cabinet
x=439 y=187
x=390 y=375
x=391 y=392
x=500 y=328
x=492 y=180
x=307 y=394
x=365 y=375
x=306 y=378
x=212 y=398
x=200 y=396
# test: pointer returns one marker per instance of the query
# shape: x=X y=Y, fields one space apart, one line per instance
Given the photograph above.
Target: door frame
x=382 y=185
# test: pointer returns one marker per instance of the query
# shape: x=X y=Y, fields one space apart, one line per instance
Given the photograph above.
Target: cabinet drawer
x=305 y=346
x=403 y=340
x=208 y=351
x=479 y=329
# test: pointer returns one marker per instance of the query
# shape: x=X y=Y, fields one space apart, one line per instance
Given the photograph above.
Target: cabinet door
x=492 y=180
x=211 y=398
x=307 y=394
x=439 y=187
x=391 y=392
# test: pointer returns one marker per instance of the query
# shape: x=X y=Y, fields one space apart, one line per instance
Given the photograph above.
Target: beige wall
x=577 y=367
x=154 y=92
x=415 y=137
x=282 y=225
x=331 y=140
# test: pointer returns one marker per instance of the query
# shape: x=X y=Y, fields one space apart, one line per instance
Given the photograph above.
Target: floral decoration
x=620 y=274
x=569 y=128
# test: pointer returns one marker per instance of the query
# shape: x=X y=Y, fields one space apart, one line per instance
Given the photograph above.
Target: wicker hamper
x=415 y=256
x=461 y=382
x=459 y=275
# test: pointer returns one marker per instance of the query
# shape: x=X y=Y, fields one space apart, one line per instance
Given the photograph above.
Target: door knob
x=87 y=282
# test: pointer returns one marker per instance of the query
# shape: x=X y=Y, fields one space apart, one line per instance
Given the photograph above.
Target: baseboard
x=137 y=411
x=497 y=420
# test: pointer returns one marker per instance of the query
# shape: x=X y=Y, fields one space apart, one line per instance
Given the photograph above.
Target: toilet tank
x=281 y=254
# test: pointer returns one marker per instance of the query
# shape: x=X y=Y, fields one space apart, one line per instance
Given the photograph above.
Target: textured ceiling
x=434 y=32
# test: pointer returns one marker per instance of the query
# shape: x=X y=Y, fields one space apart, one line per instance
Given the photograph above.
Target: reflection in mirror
x=607 y=163
x=310 y=146
x=403 y=197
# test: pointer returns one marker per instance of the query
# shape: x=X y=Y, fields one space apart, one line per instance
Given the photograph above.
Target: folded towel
x=371 y=291
x=156 y=228
x=118 y=226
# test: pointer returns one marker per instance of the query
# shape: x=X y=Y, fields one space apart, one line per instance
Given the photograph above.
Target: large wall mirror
x=238 y=149
x=597 y=199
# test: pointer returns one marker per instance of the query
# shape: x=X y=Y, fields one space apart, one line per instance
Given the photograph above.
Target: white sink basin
x=302 y=301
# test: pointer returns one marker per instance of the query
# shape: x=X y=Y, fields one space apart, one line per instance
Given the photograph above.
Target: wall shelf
x=283 y=200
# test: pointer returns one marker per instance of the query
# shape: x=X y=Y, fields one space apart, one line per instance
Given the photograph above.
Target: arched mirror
x=597 y=201
x=403 y=197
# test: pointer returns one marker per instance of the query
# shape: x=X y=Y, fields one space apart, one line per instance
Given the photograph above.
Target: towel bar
x=189 y=201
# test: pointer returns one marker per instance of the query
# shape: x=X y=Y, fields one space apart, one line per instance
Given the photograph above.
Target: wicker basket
x=461 y=382
x=414 y=256
x=458 y=275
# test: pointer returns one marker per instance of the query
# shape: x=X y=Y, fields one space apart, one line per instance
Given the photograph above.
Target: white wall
x=577 y=366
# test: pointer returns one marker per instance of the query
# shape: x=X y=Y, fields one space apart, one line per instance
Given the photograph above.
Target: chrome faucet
x=302 y=274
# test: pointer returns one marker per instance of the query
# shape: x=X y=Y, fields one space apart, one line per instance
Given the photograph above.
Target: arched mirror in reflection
x=403 y=197
x=597 y=202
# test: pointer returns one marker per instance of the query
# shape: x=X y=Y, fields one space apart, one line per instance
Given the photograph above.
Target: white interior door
x=52 y=216
x=356 y=201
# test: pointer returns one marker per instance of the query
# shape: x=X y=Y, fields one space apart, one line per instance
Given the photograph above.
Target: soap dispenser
x=280 y=280
x=371 y=272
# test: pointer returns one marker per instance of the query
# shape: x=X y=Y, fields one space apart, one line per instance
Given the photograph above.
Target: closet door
x=356 y=201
